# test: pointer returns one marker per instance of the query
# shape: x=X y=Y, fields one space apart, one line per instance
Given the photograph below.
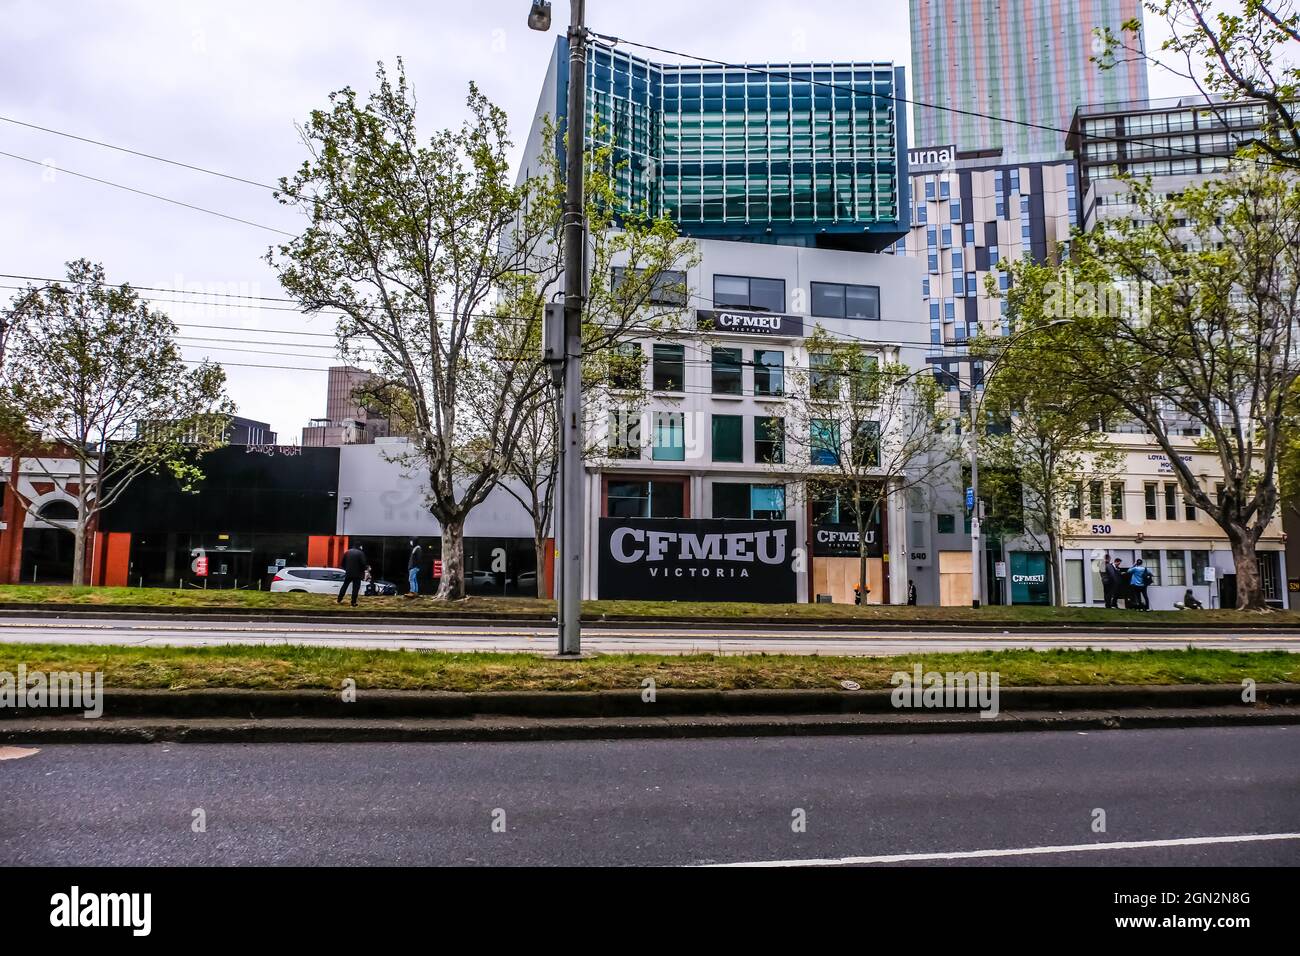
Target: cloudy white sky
x=221 y=83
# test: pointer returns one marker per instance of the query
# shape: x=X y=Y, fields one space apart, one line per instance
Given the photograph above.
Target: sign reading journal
x=685 y=559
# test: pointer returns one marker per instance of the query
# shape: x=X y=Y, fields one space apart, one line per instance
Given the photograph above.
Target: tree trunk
x=79 y=532
x=1053 y=569
x=451 y=587
x=539 y=553
x=79 y=551
x=1250 y=587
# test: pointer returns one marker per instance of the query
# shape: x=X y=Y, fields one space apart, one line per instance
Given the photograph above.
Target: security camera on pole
x=571 y=505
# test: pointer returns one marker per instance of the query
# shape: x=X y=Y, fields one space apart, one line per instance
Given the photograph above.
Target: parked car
x=480 y=579
x=308 y=580
x=527 y=583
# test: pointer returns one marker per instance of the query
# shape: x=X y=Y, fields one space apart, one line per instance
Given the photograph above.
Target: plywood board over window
x=954 y=578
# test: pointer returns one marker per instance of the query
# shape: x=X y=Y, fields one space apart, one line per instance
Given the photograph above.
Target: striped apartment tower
x=1027 y=60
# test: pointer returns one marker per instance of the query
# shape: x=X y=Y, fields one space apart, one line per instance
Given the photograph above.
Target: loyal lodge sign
x=684 y=559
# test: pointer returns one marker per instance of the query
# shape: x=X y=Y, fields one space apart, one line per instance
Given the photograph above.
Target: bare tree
x=865 y=427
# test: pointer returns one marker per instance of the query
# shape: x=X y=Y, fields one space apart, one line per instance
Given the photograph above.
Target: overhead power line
x=141 y=192
x=136 y=152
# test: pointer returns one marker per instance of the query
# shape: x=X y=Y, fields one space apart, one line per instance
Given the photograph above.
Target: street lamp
x=539 y=17
x=572 y=512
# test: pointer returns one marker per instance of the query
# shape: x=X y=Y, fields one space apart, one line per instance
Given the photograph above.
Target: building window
x=1117 y=500
x=946 y=524
x=769 y=372
x=728 y=438
x=944 y=189
x=921 y=213
x=669 y=287
x=1189 y=508
x=969 y=231
x=670 y=368
x=1176 y=562
x=958 y=265
x=954 y=210
x=1151 y=561
x=864 y=383
x=625 y=366
x=645 y=499
x=726 y=371
x=1200 y=561
x=933 y=262
x=929 y=189
x=748 y=502
x=866 y=444
x=947 y=237
x=670 y=437
x=769 y=440
x=744 y=292
x=1150 y=491
x=971 y=287
x=1076 y=500
x=837 y=300
x=823 y=382
x=824 y=441
x=1094 y=500
x=624 y=433
x=1171 y=502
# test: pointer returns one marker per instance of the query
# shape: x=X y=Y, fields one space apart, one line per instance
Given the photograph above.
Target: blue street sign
x=970 y=499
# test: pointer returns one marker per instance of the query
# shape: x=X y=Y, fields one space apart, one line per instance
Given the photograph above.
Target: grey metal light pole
x=572 y=511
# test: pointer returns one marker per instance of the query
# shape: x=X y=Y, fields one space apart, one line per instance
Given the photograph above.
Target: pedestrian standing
x=911 y=593
x=355 y=567
x=1108 y=582
x=1139 y=580
x=413 y=567
x=1122 y=592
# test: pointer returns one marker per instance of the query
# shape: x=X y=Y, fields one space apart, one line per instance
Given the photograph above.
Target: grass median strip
x=481 y=606
x=289 y=668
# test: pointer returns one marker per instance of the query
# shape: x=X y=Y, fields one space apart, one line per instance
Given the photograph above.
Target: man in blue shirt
x=1139 y=579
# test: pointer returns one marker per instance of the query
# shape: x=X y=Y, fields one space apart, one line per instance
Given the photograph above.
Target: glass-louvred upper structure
x=797 y=154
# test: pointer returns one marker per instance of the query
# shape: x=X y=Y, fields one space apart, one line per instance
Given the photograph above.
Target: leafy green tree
x=1185 y=315
x=1051 y=443
x=862 y=426
x=442 y=270
x=93 y=374
x=1246 y=50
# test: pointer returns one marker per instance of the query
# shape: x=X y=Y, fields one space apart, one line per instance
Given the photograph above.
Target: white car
x=308 y=580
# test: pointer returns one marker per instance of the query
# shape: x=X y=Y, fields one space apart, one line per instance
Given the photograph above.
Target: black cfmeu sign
x=750 y=323
x=841 y=541
x=685 y=559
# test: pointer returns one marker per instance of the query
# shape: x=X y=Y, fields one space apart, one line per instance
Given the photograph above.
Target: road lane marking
x=17 y=753
x=1022 y=851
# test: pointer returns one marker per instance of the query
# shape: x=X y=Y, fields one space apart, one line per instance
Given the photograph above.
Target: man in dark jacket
x=354 y=569
x=1108 y=576
x=1122 y=592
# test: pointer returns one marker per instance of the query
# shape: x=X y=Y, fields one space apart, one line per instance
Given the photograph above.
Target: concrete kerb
x=239 y=704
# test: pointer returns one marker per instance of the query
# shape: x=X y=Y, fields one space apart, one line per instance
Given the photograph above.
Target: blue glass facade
x=794 y=154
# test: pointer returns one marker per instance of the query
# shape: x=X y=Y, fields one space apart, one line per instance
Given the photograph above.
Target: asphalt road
x=1172 y=797
x=632 y=639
